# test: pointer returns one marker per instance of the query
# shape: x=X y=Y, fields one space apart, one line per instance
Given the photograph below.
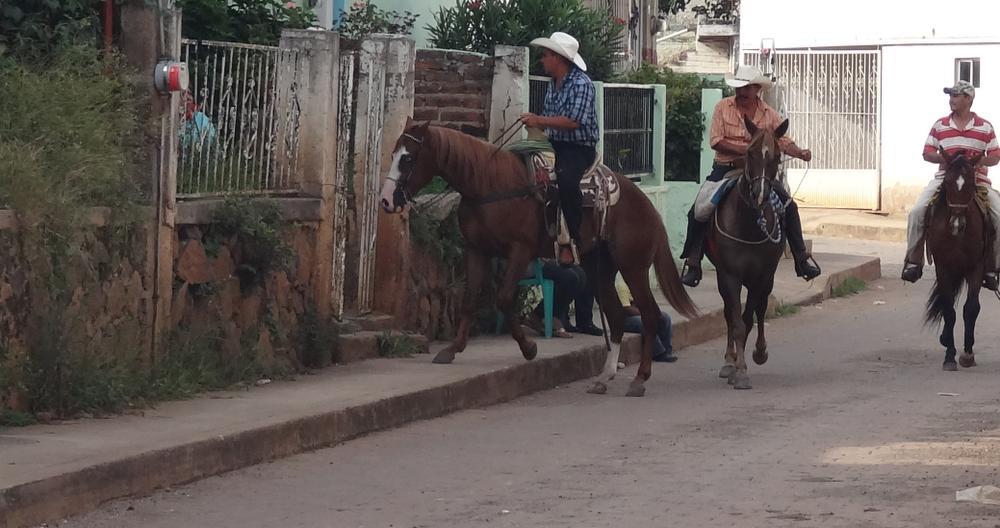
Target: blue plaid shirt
x=576 y=99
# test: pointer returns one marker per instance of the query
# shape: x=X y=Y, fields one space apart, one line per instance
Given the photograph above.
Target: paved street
x=852 y=423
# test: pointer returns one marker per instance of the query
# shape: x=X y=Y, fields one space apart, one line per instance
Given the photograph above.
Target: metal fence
x=239 y=130
x=628 y=129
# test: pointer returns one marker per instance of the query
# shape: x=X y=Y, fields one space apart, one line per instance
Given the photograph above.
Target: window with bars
x=967 y=70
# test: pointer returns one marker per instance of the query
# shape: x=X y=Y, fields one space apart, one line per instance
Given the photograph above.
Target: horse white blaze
x=389 y=187
x=960 y=182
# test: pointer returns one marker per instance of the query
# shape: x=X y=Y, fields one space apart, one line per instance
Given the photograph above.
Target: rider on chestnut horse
x=569 y=117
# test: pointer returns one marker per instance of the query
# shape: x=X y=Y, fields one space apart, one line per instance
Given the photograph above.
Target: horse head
x=409 y=171
x=760 y=172
x=959 y=186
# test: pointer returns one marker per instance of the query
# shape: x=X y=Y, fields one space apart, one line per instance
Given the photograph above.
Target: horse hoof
x=598 y=388
x=760 y=356
x=967 y=361
x=741 y=382
x=726 y=371
x=530 y=351
x=636 y=389
x=444 y=357
x=950 y=366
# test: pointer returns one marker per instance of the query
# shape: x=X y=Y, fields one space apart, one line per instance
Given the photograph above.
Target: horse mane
x=474 y=164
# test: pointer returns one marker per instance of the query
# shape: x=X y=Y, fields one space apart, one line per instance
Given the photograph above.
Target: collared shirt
x=575 y=99
x=977 y=136
x=727 y=123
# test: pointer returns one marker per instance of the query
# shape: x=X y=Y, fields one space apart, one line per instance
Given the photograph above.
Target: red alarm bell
x=170 y=76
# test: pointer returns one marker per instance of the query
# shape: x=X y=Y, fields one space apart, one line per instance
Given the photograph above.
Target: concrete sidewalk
x=853 y=224
x=48 y=472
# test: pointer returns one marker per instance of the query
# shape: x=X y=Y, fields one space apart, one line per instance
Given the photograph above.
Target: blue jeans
x=662 y=344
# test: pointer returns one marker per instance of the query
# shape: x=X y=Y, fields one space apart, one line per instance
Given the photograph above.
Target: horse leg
x=739 y=378
x=475 y=267
x=637 y=280
x=604 y=278
x=760 y=309
x=969 y=315
x=517 y=263
x=947 y=340
x=729 y=367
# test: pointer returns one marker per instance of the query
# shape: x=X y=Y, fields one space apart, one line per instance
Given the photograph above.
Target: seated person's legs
x=793 y=226
x=914 y=263
x=993 y=263
x=696 y=231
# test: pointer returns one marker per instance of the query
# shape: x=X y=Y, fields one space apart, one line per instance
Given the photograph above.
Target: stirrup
x=912 y=272
x=991 y=282
x=807 y=259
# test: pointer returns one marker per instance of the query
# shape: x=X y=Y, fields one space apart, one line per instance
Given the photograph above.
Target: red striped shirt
x=979 y=136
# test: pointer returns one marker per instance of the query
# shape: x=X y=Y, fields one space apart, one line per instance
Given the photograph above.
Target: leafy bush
x=248 y=21
x=480 y=25
x=724 y=10
x=68 y=127
x=36 y=27
x=256 y=224
x=365 y=18
x=685 y=126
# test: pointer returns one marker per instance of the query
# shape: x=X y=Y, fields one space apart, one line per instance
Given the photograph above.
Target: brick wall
x=452 y=88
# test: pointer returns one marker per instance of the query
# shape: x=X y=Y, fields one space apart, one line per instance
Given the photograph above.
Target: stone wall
x=453 y=89
x=92 y=304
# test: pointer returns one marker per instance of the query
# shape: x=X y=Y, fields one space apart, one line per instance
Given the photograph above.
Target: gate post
x=318 y=70
x=392 y=244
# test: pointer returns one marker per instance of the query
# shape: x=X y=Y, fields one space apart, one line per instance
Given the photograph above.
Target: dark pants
x=696 y=230
x=585 y=306
x=663 y=344
x=572 y=160
x=566 y=282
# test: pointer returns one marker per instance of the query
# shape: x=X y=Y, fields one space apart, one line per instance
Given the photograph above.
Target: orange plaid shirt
x=727 y=123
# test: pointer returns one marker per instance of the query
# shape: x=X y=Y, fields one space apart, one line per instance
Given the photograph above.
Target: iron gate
x=832 y=99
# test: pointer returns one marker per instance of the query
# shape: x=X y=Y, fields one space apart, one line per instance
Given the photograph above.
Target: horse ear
x=752 y=128
x=781 y=130
x=976 y=156
x=409 y=122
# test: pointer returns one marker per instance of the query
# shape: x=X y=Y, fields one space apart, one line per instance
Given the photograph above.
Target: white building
x=863 y=82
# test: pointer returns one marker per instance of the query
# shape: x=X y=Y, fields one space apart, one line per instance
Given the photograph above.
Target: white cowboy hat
x=748 y=75
x=564 y=45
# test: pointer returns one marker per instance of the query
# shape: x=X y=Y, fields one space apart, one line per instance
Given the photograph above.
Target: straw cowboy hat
x=564 y=45
x=748 y=75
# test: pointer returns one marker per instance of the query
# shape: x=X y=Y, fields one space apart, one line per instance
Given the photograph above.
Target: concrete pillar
x=143 y=49
x=392 y=245
x=659 y=134
x=511 y=92
x=709 y=98
x=317 y=73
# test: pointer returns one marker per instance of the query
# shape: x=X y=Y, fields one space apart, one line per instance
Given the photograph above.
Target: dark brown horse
x=956 y=240
x=500 y=216
x=745 y=241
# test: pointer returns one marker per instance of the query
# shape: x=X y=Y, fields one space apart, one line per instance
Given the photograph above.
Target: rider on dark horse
x=569 y=117
x=962 y=130
x=729 y=138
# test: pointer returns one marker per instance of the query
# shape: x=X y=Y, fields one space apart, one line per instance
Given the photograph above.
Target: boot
x=990 y=281
x=805 y=266
x=693 y=250
x=912 y=272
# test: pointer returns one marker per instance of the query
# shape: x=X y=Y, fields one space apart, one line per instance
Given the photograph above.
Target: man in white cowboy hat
x=569 y=117
x=960 y=131
x=730 y=139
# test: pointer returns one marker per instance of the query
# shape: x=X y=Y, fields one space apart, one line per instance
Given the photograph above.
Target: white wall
x=819 y=23
x=912 y=79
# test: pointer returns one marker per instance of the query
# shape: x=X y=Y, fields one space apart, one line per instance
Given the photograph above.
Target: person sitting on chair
x=663 y=347
x=962 y=130
x=730 y=139
x=569 y=117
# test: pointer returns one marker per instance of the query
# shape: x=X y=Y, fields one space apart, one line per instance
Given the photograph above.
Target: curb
x=85 y=490
x=863 y=232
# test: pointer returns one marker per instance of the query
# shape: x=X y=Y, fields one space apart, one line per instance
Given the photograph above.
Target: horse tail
x=938 y=301
x=670 y=281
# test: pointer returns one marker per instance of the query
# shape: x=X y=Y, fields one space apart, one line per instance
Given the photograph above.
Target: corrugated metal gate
x=832 y=98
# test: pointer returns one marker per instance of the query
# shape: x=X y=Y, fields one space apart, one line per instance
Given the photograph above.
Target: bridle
x=404 y=176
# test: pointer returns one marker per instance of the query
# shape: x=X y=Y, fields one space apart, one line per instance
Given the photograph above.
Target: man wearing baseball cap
x=960 y=131
x=569 y=117
x=729 y=139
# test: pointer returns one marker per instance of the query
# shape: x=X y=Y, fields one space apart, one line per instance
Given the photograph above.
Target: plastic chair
x=548 y=294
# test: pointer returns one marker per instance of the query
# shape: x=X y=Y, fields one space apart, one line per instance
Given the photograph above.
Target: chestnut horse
x=745 y=242
x=956 y=240
x=501 y=216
